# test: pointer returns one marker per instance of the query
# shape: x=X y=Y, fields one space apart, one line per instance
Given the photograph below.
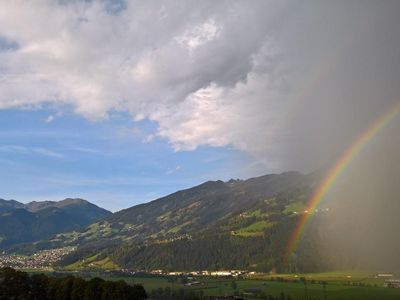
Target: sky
x=121 y=102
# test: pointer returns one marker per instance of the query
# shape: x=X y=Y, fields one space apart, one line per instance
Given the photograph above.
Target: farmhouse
x=392 y=283
x=384 y=275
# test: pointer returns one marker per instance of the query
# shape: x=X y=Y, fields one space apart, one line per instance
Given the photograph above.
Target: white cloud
x=49 y=119
x=47 y=152
x=207 y=72
x=185 y=68
x=84 y=150
x=31 y=150
x=148 y=138
x=173 y=170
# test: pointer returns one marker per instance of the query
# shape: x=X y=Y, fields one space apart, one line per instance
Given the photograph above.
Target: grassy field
x=93 y=262
x=340 y=286
x=340 y=277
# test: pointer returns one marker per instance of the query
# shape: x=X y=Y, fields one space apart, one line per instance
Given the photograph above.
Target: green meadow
x=343 y=285
x=339 y=286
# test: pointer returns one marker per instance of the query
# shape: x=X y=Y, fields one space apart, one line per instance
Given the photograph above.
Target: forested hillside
x=235 y=224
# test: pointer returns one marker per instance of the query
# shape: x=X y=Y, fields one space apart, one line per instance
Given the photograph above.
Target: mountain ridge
x=194 y=228
x=39 y=220
x=237 y=224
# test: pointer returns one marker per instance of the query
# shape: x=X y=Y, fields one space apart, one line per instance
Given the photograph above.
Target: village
x=221 y=273
x=40 y=260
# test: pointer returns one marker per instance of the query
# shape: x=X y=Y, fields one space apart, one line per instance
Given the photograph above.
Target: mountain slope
x=253 y=239
x=21 y=223
x=235 y=224
x=191 y=210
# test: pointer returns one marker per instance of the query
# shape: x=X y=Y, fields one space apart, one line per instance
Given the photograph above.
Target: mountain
x=23 y=223
x=82 y=211
x=7 y=205
x=193 y=209
x=239 y=224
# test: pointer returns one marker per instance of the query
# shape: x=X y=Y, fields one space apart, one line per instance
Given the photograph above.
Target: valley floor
x=338 y=286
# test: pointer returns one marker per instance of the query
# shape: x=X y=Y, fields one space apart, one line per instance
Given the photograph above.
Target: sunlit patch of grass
x=178 y=228
x=335 y=276
x=334 y=290
x=297 y=206
x=163 y=217
x=92 y=262
x=254 y=229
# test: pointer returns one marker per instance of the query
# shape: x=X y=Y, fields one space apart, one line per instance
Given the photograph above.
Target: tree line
x=20 y=285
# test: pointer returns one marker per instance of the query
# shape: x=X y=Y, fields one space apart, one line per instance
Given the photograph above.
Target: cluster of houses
x=223 y=273
x=311 y=211
x=39 y=260
x=390 y=280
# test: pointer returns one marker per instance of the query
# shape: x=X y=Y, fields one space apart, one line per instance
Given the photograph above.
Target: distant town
x=39 y=260
x=46 y=259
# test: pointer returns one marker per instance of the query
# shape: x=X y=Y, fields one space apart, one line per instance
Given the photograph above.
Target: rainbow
x=334 y=172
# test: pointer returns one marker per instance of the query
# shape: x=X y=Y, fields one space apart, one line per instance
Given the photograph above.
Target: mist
x=360 y=230
x=347 y=76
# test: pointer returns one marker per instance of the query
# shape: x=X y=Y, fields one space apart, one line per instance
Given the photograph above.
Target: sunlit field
x=339 y=286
